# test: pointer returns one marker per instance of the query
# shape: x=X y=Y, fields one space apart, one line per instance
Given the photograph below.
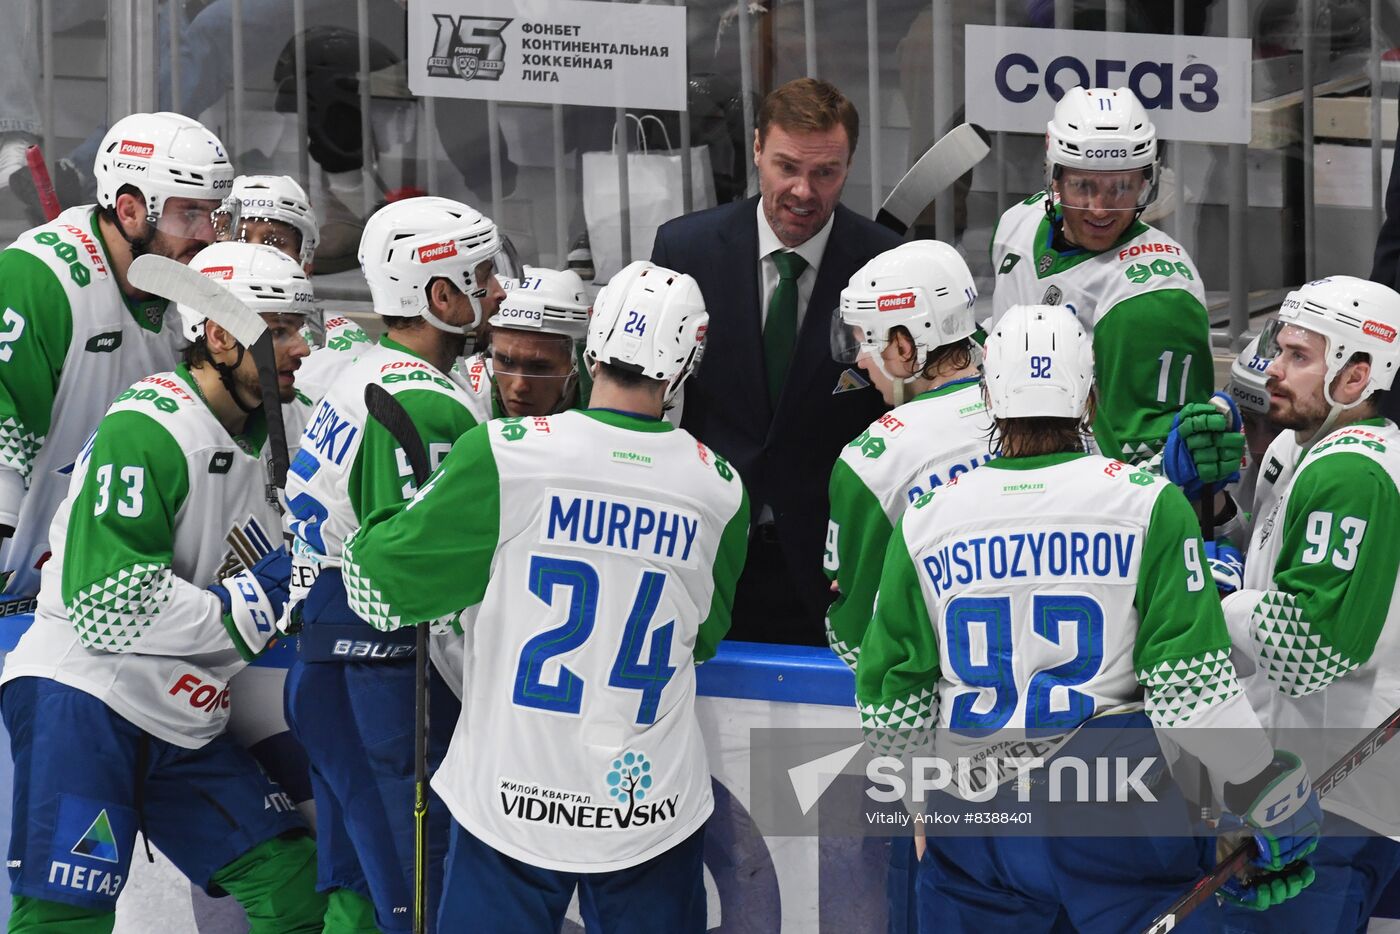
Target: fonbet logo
x=630 y=787
x=895 y=302
x=130 y=147
x=217 y=272
x=206 y=696
x=1382 y=331
x=432 y=252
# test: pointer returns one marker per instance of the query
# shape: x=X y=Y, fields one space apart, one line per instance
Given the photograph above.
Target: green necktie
x=780 y=329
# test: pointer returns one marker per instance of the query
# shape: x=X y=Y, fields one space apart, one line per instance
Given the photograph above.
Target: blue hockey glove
x=1264 y=891
x=253 y=601
x=1280 y=809
x=1226 y=566
x=1205 y=445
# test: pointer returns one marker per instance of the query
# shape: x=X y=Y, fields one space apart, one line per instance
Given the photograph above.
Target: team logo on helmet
x=433 y=252
x=1383 y=331
x=468 y=47
x=895 y=302
x=1052 y=296
x=133 y=148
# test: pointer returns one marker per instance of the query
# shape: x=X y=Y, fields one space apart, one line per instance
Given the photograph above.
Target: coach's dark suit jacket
x=785 y=457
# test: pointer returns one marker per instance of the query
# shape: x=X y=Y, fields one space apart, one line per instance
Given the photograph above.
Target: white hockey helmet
x=1353 y=316
x=1248 y=383
x=409 y=243
x=272 y=198
x=923 y=286
x=262 y=277
x=165 y=155
x=1102 y=130
x=545 y=301
x=1038 y=362
x=649 y=320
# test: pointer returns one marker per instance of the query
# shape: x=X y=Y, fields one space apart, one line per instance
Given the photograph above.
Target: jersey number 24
x=549 y=575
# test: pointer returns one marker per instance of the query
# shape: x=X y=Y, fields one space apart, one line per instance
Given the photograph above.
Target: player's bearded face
x=1295 y=378
x=800 y=175
x=1098 y=206
x=288 y=349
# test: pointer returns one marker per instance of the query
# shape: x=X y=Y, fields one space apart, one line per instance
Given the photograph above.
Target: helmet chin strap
x=226 y=377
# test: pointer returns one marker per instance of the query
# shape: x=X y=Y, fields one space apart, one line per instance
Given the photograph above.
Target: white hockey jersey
x=1142 y=302
x=70 y=342
x=602 y=550
x=163 y=503
x=1320 y=614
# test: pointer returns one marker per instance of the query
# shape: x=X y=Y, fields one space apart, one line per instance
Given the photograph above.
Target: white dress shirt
x=811 y=251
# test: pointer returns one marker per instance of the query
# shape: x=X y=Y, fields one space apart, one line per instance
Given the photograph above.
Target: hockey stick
x=43 y=185
x=387 y=411
x=1241 y=855
x=159 y=275
x=947 y=160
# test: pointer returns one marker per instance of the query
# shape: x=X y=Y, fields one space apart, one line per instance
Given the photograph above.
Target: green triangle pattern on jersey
x=364 y=598
x=1177 y=690
x=112 y=613
x=899 y=726
x=1295 y=658
x=850 y=654
x=18 y=447
x=98 y=841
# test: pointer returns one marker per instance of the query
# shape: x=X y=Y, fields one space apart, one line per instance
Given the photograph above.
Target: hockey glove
x=1205 y=445
x=253 y=601
x=1264 y=891
x=1226 y=566
x=1280 y=809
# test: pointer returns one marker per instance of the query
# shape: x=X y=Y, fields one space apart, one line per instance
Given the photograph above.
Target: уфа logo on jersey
x=217 y=272
x=86 y=855
x=468 y=47
x=630 y=800
x=1382 y=331
x=131 y=147
x=432 y=252
x=900 y=302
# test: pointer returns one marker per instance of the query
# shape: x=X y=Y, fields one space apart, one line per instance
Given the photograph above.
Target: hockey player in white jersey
x=537 y=338
x=1081 y=243
x=1319 y=612
x=74 y=332
x=1063 y=593
x=602 y=546
x=906 y=319
x=167 y=578
x=350 y=694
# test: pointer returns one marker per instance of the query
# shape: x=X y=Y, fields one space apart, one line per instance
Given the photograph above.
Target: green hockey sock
x=349 y=912
x=275 y=882
x=38 y=916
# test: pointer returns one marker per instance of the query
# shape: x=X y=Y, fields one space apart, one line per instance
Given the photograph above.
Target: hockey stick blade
x=947 y=160
x=1203 y=890
x=387 y=411
x=160 y=275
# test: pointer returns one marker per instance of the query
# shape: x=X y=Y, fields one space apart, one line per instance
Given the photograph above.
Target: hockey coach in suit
x=769 y=397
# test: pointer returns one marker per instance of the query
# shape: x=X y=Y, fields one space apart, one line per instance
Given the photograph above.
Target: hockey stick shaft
x=387 y=411
x=1240 y=856
x=43 y=184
